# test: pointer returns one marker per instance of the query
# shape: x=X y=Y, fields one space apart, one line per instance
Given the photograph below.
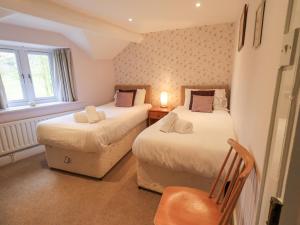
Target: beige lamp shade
x=164 y=99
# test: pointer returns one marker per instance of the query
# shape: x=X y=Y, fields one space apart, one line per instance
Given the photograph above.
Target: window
x=41 y=75
x=27 y=76
x=10 y=75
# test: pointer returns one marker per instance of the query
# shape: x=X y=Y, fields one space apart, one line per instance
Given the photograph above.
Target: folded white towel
x=92 y=114
x=169 y=122
x=172 y=123
x=80 y=117
x=183 y=126
x=89 y=115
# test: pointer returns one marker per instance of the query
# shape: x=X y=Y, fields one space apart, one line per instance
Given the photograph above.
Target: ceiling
x=101 y=27
x=157 y=15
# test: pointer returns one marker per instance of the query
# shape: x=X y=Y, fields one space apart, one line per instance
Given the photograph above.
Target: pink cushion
x=202 y=103
x=124 y=99
x=201 y=93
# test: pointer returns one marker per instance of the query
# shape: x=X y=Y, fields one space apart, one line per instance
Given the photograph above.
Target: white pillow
x=115 y=96
x=140 y=97
x=187 y=97
x=220 y=99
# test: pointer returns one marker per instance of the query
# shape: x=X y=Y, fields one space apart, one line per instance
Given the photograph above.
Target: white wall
x=94 y=78
x=253 y=86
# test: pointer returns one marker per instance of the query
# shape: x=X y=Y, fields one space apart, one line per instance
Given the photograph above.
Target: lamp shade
x=164 y=99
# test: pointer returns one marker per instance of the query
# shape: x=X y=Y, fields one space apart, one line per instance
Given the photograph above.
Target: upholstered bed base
x=156 y=178
x=94 y=164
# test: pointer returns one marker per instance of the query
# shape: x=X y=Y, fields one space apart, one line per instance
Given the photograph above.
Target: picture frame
x=242 y=27
x=259 y=21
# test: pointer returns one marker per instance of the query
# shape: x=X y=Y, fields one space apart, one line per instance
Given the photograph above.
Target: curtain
x=3 y=99
x=64 y=74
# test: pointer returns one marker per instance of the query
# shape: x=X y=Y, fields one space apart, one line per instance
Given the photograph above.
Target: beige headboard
x=133 y=86
x=226 y=87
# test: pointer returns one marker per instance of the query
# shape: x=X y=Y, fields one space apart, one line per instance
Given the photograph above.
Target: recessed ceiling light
x=198 y=4
x=130 y=19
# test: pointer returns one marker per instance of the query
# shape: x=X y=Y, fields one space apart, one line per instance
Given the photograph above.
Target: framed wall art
x=259 y=20
x=242 y=28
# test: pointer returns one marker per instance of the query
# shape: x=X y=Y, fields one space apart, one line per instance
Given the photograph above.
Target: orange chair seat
x=186 y=206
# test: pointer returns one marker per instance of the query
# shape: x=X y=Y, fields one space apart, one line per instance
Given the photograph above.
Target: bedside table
x=156 y=113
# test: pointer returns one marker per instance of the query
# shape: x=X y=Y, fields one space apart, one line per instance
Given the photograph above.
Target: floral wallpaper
x=168 y=59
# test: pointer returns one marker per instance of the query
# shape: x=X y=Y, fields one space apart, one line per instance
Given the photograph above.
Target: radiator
x=20 y=134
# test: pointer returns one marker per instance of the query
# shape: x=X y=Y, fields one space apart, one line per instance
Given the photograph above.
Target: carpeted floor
x=33 y=194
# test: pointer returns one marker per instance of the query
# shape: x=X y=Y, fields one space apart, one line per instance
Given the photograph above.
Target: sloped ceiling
x=101 y=27
x=97 y=46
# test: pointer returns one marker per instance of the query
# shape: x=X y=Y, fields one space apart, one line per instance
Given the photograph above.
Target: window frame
x=23 y=65
x=23 y=101
x=54 y=86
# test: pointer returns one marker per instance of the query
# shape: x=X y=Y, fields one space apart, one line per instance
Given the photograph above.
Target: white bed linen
x=64 y=132
x=201 y=152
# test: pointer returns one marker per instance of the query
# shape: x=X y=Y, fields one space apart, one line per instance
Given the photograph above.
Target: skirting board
x=14 y=157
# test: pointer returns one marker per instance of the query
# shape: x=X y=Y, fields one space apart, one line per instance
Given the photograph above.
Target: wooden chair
x=189 y=206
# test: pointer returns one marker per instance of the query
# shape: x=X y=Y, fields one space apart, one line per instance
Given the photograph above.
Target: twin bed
x=93 y=149
x=166 y=159
x=172 y=159
x=163 y=159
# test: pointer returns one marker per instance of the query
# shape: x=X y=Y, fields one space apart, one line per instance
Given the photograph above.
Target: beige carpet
x=33 y=194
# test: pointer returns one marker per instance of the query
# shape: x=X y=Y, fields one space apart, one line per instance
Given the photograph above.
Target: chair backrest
x=230 y=181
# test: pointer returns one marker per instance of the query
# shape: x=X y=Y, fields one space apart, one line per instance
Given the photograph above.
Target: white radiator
x=20 y=134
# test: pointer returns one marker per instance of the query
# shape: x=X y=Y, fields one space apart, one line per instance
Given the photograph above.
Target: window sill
x=37 y=106
x=25 y=112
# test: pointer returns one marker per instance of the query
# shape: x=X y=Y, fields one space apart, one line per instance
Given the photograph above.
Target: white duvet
x=64 y=132
x=201 y=152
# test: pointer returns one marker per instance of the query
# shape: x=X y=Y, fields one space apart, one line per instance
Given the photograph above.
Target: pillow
x=125 y=99
x=126 y=91
x=201 y=93
x=220 y=100
x=187 y=97
x=202 y=103
x=115 y=95
x=140 y=97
